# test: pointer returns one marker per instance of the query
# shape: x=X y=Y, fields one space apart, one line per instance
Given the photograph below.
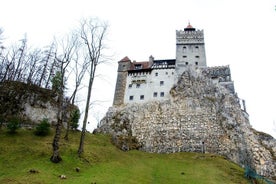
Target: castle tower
x=190 y=49
x=123 y=67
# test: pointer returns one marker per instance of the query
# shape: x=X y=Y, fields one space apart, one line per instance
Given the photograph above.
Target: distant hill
x=25 y=158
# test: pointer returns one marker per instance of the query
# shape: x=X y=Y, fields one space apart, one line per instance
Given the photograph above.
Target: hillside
x=104 y=163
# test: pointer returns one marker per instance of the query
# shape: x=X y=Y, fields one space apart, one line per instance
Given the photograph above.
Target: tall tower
x=190 y=49
x=123 y=67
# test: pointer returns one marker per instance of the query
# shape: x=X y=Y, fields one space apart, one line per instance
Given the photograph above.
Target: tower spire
x=189 y=27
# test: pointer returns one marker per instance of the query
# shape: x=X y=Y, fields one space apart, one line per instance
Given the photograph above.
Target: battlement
x=221 y=75
x=189 y=37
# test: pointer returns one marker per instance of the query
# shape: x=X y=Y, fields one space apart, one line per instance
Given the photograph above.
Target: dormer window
x=138 y=66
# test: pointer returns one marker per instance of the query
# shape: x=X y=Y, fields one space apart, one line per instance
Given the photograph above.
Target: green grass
x=103 y=163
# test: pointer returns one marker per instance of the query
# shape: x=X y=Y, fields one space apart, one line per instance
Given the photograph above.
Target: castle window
x=156 y=74
x=166 y=73
x=130 y=86
x=196 y=63
x=184 y=56
x=161 y=83
x=141 y=97
x=155 y=94
x=137 y=85
x=162 y=94
x=131 y=98
x=186 y=63
x=196 y=47
x=184 y=49
x=197 y=56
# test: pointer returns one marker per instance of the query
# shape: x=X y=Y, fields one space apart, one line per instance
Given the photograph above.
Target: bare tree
x=92 y=33
x=46 y=62
x=32 y=67
x=68 y=51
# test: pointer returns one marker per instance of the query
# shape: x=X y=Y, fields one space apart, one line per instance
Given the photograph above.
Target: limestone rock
x=201 y=116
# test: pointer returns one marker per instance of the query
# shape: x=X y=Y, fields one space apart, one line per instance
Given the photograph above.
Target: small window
x=172 y=73
x=130 y=86
x=161 y=83
x=184 y=47
x=131 y=98
x=162 y=94
x=184 y=56
x=137 y=85
x=196 y=63
x=197 y=56
x=156 y=74
x=196 y=47
x=141 y=97
x=155 y=94
x=166 y=73
x=186 y=63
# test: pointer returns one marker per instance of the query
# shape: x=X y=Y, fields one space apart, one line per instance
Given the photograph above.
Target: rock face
x=28 y=102
x=201 y=116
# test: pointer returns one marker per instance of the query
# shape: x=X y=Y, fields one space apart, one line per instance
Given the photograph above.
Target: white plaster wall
x=151 y=85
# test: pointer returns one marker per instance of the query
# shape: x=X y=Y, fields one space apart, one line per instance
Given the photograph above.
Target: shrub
x=13 y=125
x=43 y=128
x=74 y=119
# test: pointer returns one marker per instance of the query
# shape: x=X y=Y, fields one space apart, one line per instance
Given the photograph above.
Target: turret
x=123 y=67
x=190 y=49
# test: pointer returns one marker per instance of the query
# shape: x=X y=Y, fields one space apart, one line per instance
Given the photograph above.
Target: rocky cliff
x=28 y=102
x=201 y=116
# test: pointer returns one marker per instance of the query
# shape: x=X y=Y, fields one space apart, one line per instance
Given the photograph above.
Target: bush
x=43 y=128
x=13 y=125
x=74 y=119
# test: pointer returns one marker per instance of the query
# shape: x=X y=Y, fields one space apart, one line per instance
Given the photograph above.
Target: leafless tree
x=32 y=67
x=46 y=61
x=64 y=59
x=92 y=32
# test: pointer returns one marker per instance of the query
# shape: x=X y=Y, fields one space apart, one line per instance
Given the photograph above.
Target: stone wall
x=201 y=116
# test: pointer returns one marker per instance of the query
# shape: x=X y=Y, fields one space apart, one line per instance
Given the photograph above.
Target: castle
x=139 y=82
x=181 y=105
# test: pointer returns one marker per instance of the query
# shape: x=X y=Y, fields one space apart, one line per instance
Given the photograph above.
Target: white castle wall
x=151 y=85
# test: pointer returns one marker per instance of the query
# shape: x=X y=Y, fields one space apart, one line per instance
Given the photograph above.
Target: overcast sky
x=239 y=33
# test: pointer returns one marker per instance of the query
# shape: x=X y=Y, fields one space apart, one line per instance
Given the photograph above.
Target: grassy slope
x=103 y=163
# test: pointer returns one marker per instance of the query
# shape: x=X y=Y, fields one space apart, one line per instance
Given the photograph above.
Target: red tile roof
x=125 y=59
x=144 y=65
x=189 y=26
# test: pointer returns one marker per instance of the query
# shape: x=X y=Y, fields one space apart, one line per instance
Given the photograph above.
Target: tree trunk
x=56 y=157
x=80 y=150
